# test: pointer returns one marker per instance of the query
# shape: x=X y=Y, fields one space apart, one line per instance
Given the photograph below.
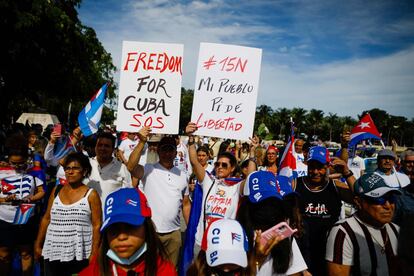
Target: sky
x=341 y=57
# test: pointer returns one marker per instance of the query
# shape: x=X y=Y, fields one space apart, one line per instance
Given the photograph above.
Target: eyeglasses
x=75 y=169
x=408 y=161
x=224 y=165
x=380 y=200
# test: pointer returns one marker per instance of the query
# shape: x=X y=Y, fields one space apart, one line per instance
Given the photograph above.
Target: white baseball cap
x=225 y=242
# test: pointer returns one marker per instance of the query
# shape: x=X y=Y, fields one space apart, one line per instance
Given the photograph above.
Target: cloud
x=341 y=57
x=345 y=88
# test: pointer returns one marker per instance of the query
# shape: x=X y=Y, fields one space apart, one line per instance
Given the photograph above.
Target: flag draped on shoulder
x=287 y=165
x=90 y=116
x=365 y=129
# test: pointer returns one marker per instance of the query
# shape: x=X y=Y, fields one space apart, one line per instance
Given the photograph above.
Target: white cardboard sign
x=150 y=87
x=226 y=90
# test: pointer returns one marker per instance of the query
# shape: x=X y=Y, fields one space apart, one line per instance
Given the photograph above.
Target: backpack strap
x=57 y=190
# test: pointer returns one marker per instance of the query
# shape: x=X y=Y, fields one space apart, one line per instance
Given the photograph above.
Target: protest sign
x=226 y=90
x=150 y=87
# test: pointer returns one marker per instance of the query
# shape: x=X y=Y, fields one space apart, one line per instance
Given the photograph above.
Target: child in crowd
x=130 y=245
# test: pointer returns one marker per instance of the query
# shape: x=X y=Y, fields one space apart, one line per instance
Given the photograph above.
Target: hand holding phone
x=281 y=228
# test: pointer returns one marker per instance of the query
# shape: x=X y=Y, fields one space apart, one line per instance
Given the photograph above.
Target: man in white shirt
x=108 y=174
x=164 y=186
x=386 y=161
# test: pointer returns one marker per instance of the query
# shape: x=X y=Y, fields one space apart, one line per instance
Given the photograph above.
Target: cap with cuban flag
x=126 y=205
x=320 y=154
x=261 y=185
x=225 y=242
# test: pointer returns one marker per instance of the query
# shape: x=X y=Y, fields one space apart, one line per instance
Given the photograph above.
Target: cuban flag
x=287 y=165
x=23 y=213
x=365 y=129
x=63 y=147
x=6 y=187
x=90 y=116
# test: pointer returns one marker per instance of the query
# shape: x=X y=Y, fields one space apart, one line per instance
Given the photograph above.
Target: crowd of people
x=148 y=204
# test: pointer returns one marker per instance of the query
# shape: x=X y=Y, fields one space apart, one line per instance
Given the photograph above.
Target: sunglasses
x=224 y=165
x=380 y=200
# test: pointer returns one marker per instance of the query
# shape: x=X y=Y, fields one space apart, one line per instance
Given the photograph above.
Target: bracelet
x=349 y=174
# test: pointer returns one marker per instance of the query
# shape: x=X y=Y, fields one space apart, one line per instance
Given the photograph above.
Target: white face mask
x=112 y=255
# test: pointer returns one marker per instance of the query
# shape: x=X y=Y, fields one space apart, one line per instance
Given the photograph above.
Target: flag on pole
x=287 y=165
x=90 y=116
x=365 y=129
x=23 y=213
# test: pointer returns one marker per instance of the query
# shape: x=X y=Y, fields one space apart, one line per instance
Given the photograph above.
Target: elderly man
x=366 y=243
x=164 y=186
x=407 y=162
x=386 y=161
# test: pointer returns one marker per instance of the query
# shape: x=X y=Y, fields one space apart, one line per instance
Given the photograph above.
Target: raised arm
x=252 y=166
x=198 y=170
x=135 y=156
x=346 y=192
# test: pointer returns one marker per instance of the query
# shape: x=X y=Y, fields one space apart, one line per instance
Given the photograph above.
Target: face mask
x=112 y=255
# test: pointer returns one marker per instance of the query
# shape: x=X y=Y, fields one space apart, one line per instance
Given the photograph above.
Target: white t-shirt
x=182 y=160
x=395 y=179
x=127 y=146
x=108 y=179
x=297 y=263
x=356 y=165
x=301 y=167
x=221 y=201
x=164 y=190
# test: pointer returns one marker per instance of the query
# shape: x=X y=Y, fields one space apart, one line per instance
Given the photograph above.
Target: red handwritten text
x=153 y=61
x=147 y=122
x=227 y=124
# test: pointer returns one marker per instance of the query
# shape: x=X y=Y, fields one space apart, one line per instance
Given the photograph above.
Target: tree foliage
x=49 y=58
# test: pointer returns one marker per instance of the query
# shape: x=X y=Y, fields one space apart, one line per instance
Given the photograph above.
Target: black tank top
x=320 y=210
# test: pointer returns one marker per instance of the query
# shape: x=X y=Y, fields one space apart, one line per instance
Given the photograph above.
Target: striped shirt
x=354 y=243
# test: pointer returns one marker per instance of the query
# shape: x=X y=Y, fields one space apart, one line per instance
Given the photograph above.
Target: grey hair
x=406 y=153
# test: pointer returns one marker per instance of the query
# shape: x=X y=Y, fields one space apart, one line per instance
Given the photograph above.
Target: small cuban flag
x=23 y=213
x=90 y=116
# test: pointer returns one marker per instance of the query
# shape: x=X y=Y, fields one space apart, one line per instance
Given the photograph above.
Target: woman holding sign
x=220 y=192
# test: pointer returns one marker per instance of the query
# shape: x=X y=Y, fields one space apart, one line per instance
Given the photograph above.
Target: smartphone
x=57 y=129
x=281 y=228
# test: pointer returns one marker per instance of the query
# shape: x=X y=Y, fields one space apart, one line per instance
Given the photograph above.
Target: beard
x=152 y=157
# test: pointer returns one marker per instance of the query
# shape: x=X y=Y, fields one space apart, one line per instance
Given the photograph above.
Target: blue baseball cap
x=261 y=185
x=126 y=205
x=320 y=154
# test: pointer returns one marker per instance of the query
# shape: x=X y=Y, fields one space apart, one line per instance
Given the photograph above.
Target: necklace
x=379 y=244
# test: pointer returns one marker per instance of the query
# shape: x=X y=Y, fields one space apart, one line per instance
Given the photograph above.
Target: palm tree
x=314 y=119
x=299 y=115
